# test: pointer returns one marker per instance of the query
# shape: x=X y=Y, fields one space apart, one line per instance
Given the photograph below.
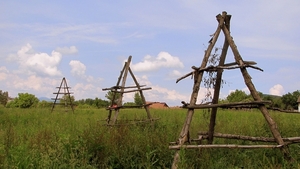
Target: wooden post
x=255 y=95
x=114 y=95
x=146 y=107
x=63 y=85
x=218 y=84
x=184 y=134
x=125 y=73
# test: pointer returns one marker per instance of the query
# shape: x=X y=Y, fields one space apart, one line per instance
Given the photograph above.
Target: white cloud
x=67 y=50
x=77 y=68
x=82 y=90
x=277 y=90
x=40 y=86
x=37 y=63
x=175 y=74
x=3 y=73
x=163 y=60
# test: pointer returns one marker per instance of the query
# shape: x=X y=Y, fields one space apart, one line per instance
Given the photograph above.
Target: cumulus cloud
x=277 y=90
x=174 y=74
x=77 y=68
x=3 y=73
x=38 y=63
x=163 y=60
x=67 y=50
x=82 y=90
x=40 y=86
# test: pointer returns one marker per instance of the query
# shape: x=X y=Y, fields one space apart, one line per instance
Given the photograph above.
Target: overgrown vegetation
x=36 y=138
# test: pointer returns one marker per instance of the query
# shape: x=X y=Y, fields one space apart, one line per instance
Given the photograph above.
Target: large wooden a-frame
x=63 y=89
x=121 y=89
x=184 y=137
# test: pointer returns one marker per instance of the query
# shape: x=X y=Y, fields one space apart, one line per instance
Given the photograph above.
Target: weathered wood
x=178 y=147
x=119 y=87
x=249 y=138
x=114 y=95
x=141 y=94
x=218 y=84
x=64 y=86
x=255 y=95
x=136 y=90
x=184 y=134
x=225 y=105
x=123 y=107
x=216 y=68
x=234 y=63
x=125 y=73
x=284 y=111
x=63 y=93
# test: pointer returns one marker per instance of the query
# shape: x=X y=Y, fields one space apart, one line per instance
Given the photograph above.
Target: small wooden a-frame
x=63 y=89
x=116 y=103
x=184 y=137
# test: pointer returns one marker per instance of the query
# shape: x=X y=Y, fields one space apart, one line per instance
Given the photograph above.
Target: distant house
x=298 y=101
x=157 y=105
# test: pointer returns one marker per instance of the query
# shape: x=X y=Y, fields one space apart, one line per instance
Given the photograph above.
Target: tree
x=100 y=103
x=45 y=104
x=138 y=99
x=290 y=100
x=24 y=100
x=109 y=95
x=67 y=99
x=237 y=96
x=3 y=97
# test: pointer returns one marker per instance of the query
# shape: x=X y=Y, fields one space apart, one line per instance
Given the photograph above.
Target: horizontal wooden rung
x=225 y=105
x=121 y=87
x=177 y=147
x=64 y=93
x=249 y=138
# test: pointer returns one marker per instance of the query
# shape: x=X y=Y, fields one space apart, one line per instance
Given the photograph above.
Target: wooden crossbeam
x=120 y=87
x=178 y=147
x=224 y=105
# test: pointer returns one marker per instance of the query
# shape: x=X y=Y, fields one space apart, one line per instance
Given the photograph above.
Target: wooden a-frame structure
x=63 y=89
x=121 y=89
x=184 y=140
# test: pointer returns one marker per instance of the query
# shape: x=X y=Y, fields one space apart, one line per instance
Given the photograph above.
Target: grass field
x=36 y=138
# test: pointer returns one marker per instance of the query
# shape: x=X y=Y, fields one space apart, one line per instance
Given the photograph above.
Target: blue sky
x=87 y=42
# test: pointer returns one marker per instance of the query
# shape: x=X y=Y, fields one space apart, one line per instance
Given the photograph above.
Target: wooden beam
x=224 y=105
x=178 y=147
x=128 y=91
x=120 y=87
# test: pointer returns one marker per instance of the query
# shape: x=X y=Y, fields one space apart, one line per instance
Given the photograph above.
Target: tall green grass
x=36 y=138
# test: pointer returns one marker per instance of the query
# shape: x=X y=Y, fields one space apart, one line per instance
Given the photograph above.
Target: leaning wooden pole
x=255 y=95
x=68 y=91
x=114 y=95
x=57 y=95
x=146 y=107
x=218 y=84
x=126 y=68
x=184 y=134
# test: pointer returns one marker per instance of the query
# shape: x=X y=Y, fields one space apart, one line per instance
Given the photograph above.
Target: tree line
x=27 y=100
x=287 y=101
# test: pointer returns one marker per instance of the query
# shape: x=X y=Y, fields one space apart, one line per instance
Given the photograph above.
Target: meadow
x=36 y=138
